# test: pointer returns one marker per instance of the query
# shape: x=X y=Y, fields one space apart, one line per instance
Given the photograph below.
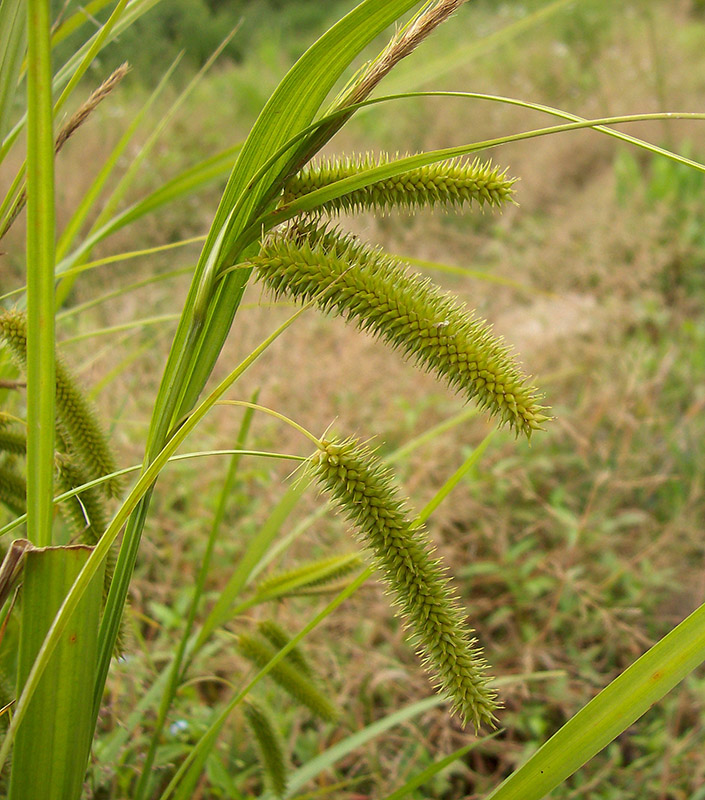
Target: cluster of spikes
x=448 y=184
x=308 y=261
x=379 y=294
x=362 y=488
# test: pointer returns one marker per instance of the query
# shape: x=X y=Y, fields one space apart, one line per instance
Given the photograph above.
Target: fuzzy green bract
x=363 y=490
x=386 y=298
x=449 y=184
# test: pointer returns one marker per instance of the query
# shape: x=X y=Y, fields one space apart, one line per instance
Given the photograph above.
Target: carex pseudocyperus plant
x=276 y=222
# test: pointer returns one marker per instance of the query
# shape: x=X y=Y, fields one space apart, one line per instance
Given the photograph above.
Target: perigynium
x=362 y=489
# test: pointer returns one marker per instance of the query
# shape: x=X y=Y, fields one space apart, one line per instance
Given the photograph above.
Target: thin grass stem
x=40 y=277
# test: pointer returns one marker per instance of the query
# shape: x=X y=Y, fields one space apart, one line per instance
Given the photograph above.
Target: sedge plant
x=276 y=223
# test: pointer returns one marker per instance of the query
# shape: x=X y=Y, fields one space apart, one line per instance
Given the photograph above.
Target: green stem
x=40 y=276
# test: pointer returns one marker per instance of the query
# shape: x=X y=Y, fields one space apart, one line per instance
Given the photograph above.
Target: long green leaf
x=617 y=706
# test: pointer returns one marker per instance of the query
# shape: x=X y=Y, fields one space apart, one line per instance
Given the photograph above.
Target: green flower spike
x=280 y=639
x=410 y=313
x=12 y=442
x=286 y=673
x=13 y=489
x=78 y=420
x=269 y=746
x=448 y=184
x=85 y=513
x=362 y=488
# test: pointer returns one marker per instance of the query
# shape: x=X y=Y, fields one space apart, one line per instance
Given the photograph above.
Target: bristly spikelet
x=13 y=489
x=87 y=517
x=448 y=184
x=298 y=685
x=362 y=489
x=85 y=513
x=314 y=573
x=280 y=638
x=78 y=419
x=269 y=746
x=382 y=296
x=12 y=443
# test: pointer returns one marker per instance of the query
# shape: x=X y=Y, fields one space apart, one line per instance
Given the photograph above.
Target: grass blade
x=617 y=706
x=433 y=769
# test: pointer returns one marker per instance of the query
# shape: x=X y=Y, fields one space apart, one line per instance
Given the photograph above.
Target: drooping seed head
x=362 y=489
x=380 y=295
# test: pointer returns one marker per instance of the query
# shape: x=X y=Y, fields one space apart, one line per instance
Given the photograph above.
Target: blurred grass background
x=573 y=553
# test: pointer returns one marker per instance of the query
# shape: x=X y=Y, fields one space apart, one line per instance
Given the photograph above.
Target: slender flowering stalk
x=448 y=184
x=362 y=489
x=79 y=423
x=400 y=46
x=409 y=312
